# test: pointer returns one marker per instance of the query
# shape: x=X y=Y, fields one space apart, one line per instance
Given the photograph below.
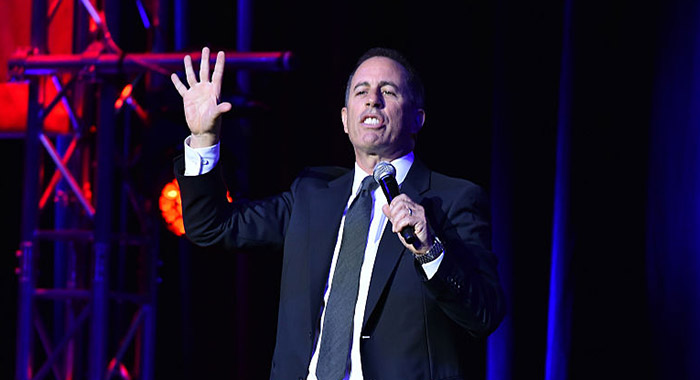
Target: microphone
x=385 y=175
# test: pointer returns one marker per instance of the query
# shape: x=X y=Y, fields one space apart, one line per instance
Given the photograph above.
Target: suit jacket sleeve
x=466 y=285
x=210 y=219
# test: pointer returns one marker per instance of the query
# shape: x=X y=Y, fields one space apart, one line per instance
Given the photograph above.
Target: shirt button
x=205 y=162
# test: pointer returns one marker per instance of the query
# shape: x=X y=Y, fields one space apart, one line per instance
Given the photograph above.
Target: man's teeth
x=372 y=120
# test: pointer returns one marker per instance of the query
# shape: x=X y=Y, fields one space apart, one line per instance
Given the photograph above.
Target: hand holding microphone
x=385 y=175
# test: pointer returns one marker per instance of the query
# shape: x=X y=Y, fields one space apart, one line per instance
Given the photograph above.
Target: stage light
x=120 y=372
x=126 y=98
x=171 y=207
x=125 y=94
x=14 y=105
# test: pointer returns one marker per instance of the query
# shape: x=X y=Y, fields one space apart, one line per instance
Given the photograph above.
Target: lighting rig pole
x=30 y=210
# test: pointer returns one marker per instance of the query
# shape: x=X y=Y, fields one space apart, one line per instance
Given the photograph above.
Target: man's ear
x=420 y=119
x=344 y=118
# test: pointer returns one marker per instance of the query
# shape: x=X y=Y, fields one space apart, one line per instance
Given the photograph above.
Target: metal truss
x=83 y=235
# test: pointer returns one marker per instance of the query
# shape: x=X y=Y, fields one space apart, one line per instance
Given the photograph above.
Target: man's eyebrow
x=360 y=85
x=381 y=84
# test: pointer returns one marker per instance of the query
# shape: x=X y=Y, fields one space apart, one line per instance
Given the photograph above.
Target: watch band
x=433 y=253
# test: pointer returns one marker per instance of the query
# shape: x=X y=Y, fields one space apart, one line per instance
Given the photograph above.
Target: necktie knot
x=368 y=184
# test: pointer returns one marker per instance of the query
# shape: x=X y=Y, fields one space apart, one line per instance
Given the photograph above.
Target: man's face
x=379 y=117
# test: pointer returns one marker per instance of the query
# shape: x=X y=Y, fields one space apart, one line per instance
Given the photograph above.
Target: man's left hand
x=404 y=212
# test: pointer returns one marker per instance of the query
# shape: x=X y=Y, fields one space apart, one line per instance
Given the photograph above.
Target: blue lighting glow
x=144 y=15
x=560 y=296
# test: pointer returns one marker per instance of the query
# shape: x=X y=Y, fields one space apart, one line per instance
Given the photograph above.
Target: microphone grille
x=383 y=170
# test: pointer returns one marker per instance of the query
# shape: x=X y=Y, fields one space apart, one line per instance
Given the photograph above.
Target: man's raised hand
x=201 y=101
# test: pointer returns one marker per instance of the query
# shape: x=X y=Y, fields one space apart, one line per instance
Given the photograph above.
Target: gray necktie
x=337 y=323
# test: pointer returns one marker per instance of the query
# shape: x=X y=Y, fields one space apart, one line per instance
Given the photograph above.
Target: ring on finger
x=410 y=212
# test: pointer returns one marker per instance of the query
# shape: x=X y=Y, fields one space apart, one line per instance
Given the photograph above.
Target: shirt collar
x=402 y=165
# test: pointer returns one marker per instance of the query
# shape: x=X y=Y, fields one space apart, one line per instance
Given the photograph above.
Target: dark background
x=522 y=97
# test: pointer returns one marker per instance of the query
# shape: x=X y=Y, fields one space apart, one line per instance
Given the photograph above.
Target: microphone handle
x=391 y=190
x=408 y=234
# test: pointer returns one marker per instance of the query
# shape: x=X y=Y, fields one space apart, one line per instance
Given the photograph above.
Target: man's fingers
x=189 y=72
x=402 y=204
x=218 y=72
x=178 y=84
x=404 y=212
x=204 y=65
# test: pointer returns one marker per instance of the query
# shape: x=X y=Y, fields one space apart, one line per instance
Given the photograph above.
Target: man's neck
x=367 y=162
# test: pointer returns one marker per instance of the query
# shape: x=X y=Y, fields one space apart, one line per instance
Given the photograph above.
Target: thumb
x=385 y=210
x=223 y=107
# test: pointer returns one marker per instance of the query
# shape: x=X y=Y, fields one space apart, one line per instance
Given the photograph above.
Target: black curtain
x=608 y=207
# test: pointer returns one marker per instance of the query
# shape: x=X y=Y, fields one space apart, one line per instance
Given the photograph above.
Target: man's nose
x=374 y=100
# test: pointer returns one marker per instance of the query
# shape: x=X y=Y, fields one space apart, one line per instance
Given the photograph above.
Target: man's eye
x=388 y=92
x=360 y=92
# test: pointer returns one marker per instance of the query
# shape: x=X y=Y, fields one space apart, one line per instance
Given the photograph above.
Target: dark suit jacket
x=414 y=328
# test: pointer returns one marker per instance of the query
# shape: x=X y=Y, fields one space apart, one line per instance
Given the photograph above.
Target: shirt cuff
x=432 y=267
x=200 y=161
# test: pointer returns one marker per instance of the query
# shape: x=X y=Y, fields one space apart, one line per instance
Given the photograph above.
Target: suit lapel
x=390 y=248
x=326 y=210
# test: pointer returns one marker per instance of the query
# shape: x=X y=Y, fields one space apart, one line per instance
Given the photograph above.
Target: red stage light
x=126 y=92
x=14 y=104
x=121 y=372
x=171 y=207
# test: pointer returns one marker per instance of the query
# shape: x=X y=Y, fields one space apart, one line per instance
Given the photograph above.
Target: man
x=416 y=311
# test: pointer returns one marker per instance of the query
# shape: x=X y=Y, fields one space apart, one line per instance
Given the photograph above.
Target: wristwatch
x=433 y=253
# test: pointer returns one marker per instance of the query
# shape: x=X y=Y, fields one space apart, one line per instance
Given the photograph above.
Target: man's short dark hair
x=415 y=84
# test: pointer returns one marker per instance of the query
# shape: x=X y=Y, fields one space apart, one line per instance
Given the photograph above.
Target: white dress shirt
x=201 y=160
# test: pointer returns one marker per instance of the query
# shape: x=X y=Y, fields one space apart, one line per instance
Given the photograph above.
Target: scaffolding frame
x=84 y=229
